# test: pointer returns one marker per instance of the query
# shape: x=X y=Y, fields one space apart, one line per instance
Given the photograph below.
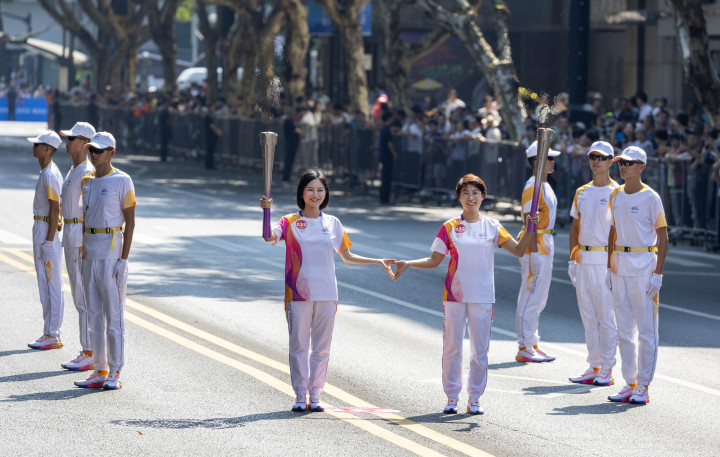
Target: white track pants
x=73 y=263
x=105 y=305
x=595 y=302
x=478 y=317
x=637 y=324
x=532 y=297
x=310 y=327
x=50 y=288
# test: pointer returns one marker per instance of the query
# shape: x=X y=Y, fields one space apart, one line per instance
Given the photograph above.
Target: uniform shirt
x=470 y=277
x=636 y=218
x=104 y=200
x=309 y=261
x=72 y=204
x=590 y=208
x=547 y=207
x=48 y=187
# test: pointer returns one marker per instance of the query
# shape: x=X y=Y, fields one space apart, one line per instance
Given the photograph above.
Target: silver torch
x=268 y=141
x=544 y=140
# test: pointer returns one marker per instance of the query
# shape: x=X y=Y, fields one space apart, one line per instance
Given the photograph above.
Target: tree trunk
x=211 y=36
x=297 y=42
x=168 y=50
x=498 y=69
x=700 y=73
x=351 y=34
x=246 y=91
x=266 y=64
x=162 y=30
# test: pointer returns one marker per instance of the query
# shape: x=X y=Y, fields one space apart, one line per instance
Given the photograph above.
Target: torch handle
x=267 y=232
x=534 y=207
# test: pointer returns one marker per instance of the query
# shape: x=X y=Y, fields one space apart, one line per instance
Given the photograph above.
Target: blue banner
x=26 y=109
x=320 y=24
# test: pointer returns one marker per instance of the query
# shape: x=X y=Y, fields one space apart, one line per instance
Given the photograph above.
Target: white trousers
x=73 y=263
x=50 y=288
x=637 y=324
x=532 y=297
x=478 y=317
x=310 y=327
x=595 y=302
x=105 y=305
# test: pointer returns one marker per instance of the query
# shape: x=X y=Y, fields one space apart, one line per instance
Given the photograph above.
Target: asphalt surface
x=206 y=340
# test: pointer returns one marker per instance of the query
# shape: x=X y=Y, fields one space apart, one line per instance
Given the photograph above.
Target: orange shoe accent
x=88 y=353
x=103 y=372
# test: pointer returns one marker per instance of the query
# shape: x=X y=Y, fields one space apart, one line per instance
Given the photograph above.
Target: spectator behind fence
x=212 y=133
x=292 y=134
x=387 y=157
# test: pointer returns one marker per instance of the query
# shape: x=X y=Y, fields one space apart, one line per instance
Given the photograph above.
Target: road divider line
x=331 y=390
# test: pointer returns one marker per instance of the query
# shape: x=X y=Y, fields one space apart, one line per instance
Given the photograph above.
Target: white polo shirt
x=591 y=209
x=48 y=187
x=72 y=204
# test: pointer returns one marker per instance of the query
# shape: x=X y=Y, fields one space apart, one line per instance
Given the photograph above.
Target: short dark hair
x=470 y=180
x=305 y=179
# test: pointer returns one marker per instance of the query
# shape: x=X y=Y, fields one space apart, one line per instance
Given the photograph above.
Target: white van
x=198 y=75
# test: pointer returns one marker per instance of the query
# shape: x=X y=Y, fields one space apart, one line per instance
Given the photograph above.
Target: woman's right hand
x=400 y=267
x=265 y=202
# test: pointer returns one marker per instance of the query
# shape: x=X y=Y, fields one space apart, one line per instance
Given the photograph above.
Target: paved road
x=206 y=367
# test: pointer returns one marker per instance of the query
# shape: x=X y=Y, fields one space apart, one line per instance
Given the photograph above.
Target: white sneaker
x=604 y=378
x=82 y=362
x=301 y=403
x=541 y=353
x=473 y=406
x=451 y=407
x=528 y=354
x=315 y=405
x=587 y=377
x=94 y=381
x=46 y=342
x=624 y=395
x=640 y=395
x=112 y=382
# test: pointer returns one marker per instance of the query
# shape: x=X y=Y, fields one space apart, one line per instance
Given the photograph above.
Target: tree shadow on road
x=69 y=394
x=17 y=351
x=601 y=408
x=33 y=376
x=454 y=419
x=210 y=423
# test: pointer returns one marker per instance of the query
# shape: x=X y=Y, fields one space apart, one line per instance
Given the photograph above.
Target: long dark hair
x=305 y=179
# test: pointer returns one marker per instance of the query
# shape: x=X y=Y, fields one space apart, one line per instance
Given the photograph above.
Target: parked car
x=198 y=75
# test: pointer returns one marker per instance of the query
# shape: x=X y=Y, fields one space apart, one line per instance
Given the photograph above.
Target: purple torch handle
x=534 y=207
x=544 y=140
x=267 y=232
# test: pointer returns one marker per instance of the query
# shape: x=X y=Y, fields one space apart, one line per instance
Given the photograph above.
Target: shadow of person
x=33 y=376
x=55 y=395
x=210 y=423
x=500 y=366
x=17 y=351
x=563 y=389
x=440 y=418
x=601 y=408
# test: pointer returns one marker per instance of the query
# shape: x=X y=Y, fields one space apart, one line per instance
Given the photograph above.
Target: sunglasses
x=627 y=163
x=94 y=150
x=551 y=159
x=599 y=157
x=71 y=138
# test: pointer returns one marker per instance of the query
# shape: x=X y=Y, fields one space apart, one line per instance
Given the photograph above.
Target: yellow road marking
x=331 y=390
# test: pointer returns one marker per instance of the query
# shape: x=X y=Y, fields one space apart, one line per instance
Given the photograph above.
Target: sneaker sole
x=49 y=346
x=612 y=381
x=299 y=409
x=449 y=411
x=83 y=368
x=97 y=385
x=526 y=360
x=634 y=402
x=621 y=400
x=475 y=414
x=119 y=386
x=584 y=381
x=317 y=409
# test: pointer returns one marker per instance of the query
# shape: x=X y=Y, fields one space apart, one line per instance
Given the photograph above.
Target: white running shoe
x=624 y=395
x=604 y=378
x=82 y=362
x=451 y=407
x=473 y=406
x=46 y=342
x=301 y=403
x=112 y=382
x=587 y=377
x=94 y=381
x=528 y=354
x=315 y=405
x=640 y=395
x=541 y=353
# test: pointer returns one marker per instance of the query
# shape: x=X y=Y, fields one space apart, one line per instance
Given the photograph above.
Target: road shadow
x=563 y=389
x=17 y=351
x=34 y=376
x=210 y=423
x=504 y=365
x=69 y=394
x=465 y=420
x=601 y=408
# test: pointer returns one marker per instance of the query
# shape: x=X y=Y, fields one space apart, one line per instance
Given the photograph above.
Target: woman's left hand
x=385 y=263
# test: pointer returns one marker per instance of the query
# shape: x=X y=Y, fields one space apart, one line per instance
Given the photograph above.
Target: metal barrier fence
x=349 y=155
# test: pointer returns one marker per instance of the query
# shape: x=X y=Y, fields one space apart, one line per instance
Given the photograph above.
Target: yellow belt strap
x=42 y=218
x=74 y=220
x=592 y=248
x=628 y=249
x=542 y=231
x=106 y=230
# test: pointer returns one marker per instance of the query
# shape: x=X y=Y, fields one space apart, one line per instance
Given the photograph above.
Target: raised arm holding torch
x=544 y=140
x=268 y=141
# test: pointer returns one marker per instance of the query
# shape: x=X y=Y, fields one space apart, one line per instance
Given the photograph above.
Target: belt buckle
x=107 y=230
x=627 y=249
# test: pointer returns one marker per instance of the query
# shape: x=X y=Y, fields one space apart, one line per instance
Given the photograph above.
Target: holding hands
x=265 y=202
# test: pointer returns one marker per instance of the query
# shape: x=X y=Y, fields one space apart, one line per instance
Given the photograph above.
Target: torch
x=544 y=139
x=268 y=140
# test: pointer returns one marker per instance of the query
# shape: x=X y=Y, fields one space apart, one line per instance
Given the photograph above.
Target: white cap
x=48 y=137
x=82 y=129
x=531 y=151
x=632 y=154
x=603 y=147
x=102 y=140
